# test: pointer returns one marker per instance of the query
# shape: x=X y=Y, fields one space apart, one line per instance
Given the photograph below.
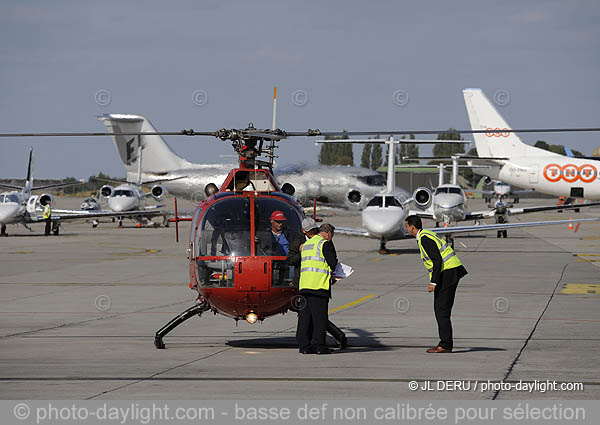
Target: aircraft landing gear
x=120 y=223
x=55 y=228
x=3 y=230
x=502 y=234
x=95 y=223
x=382 y=248
x=450 y=240
x=197 y=309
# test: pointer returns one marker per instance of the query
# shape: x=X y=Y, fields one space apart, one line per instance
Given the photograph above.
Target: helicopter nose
x=121 y=203
x=8 y=211
x=383 y=221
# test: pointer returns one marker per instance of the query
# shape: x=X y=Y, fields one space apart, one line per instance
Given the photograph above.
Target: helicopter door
x=252 y=274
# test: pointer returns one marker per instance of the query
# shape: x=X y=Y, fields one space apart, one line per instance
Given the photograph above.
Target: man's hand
x=431 y=287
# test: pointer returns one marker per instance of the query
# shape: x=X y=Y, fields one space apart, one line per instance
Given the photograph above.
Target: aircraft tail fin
x=158 y=156
x=483 y=115
x=29 y=181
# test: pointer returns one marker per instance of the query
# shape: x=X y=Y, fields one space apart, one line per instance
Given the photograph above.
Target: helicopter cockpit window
x=377 y=201
x=267 y=242
x=225 y=229
x=255 y=180
x=391 y=201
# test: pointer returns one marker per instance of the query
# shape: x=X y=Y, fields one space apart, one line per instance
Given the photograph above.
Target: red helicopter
x=233 y=264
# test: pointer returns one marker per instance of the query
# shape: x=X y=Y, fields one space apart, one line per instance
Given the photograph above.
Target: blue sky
x=349 y=58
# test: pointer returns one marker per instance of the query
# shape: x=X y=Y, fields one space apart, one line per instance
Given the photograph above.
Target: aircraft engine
x=158 y=191
x=354 y=199
x=422 y=197
x=44 y=198
x=106 y=190
x=487 y=180
x=288 y=189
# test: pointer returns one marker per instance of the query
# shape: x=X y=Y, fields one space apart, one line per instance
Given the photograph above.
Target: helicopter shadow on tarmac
x=359 y=340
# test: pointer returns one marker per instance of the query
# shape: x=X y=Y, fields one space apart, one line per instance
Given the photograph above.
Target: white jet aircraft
x=523 y=165
x=384 y=216
x=21 y=207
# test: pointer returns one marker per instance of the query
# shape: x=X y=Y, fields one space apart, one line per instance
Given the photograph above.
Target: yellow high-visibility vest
x=449 y=258
x=314 y=270
x=47 y=212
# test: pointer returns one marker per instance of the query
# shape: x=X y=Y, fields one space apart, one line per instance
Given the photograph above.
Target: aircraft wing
x=422 y=214
x=10 y=186
x=352 y=232
x=525 y=210
x=503 y=226
x=66 y=215
x=478 y=215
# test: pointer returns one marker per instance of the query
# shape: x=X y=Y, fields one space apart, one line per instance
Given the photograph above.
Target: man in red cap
x=280 y=243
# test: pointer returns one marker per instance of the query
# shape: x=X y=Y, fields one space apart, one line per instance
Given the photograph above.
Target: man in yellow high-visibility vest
x=318 y=262
x=47 y=214
x=445 y=270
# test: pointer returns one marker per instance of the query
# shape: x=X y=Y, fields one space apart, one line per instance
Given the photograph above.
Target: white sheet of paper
x=342 y=270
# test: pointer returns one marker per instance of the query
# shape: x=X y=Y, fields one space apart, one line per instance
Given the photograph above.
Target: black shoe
x=307 y=350
x=324 y=350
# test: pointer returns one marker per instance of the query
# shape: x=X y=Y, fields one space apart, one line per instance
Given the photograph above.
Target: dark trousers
x=48 y=226
x=312 y=322
x=443 y=300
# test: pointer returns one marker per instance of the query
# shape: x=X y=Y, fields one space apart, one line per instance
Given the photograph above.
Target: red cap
x=278 y=216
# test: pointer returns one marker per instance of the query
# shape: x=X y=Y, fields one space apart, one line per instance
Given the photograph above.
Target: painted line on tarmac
x=352 y=304
x=581 y=288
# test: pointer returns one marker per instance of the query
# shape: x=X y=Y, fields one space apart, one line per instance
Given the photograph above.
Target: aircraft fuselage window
x=9 y=198
x=372 y=180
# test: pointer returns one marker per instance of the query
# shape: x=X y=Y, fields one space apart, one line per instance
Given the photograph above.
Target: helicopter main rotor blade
x=279 y=134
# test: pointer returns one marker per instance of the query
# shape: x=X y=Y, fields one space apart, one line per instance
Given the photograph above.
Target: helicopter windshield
x=268 y=243
x=225 y=229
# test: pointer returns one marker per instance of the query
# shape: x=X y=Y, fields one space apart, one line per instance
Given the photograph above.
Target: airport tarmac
x=79 y=312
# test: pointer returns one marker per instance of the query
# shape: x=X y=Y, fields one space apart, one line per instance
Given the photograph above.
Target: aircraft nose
x=447 y=201
x=119 y=204
x=383 y=221
x=8 y=211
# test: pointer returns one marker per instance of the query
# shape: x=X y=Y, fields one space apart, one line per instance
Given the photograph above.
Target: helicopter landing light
x=251 y=318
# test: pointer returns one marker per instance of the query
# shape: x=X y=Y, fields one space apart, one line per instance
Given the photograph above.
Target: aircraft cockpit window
x=267 y=243
x=122 y=192
x=377 y=201
x=391 y=201
x=441 y=190
x=455 y=190
x=373 y=180
x=11 y=197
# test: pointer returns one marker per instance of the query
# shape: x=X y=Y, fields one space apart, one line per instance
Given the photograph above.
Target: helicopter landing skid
x=196 y=309
x=337 y=334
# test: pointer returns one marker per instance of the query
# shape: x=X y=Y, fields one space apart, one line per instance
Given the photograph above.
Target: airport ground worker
x=445 y=270
x=47 y=214
x=318 y=261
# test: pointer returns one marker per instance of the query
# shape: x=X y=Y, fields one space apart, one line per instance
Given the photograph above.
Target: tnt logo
x=570 y=173
x=497 y=132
